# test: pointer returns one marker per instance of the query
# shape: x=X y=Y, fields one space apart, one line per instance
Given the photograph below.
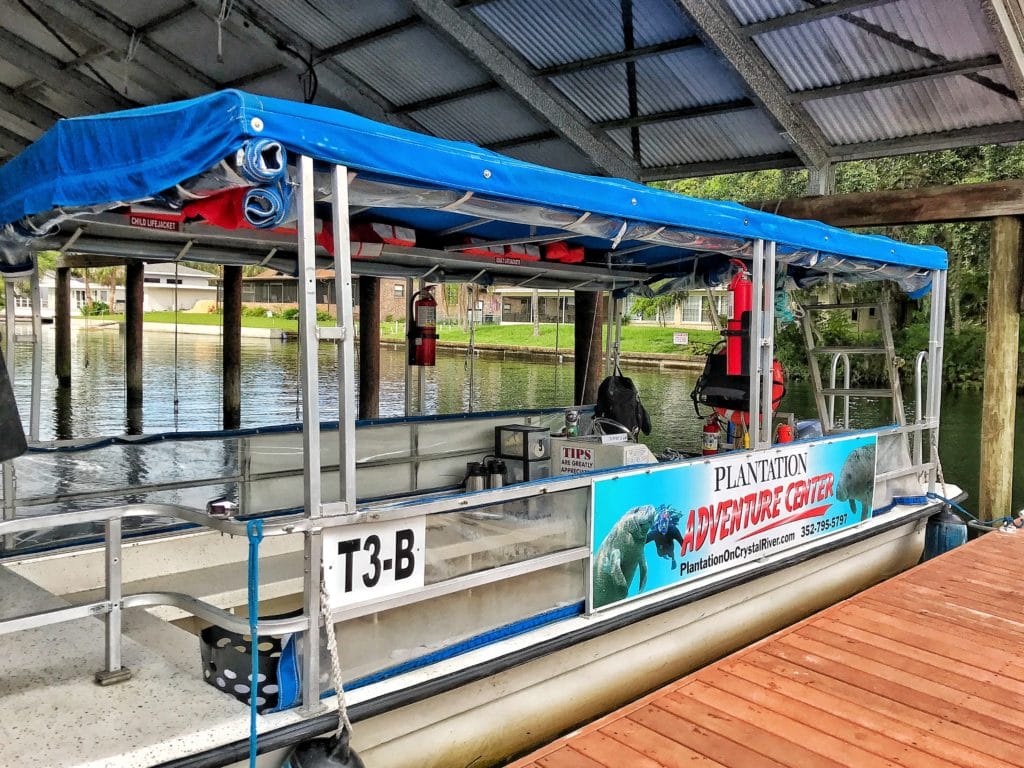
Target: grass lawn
x=635 y=338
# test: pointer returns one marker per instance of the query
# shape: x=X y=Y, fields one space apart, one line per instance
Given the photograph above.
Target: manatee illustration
x=857 y=480
x=621 y=552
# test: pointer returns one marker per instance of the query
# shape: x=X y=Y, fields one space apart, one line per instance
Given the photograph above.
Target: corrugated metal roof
x=192 y=37
x=690 y=78
x=740 y=134
x=411 y=65
x=910 y=109
x=951 y=28
x=327 y=22
x=550 y=32
x=833 y=51
x=483 y=119
x=555 y=154
x=749 y=11
x=423 y=61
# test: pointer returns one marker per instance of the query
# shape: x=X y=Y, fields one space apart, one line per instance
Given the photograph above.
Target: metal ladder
x=826 y=412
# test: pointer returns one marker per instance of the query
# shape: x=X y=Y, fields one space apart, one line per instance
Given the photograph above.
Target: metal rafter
x=713 y=167
x=1006 y=20
x=945 y=69
x=717 y=26
x=931 y=142
x=711 y=110
x=506 y=68
x=808 y=15
x=628 y=55
x=27 y=109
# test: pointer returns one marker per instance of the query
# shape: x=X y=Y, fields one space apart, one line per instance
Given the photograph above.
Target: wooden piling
x=133 y=302
x=588 y=350
x=232 y=352
x=62 y=328
x=1001 y=340
x=369 y=347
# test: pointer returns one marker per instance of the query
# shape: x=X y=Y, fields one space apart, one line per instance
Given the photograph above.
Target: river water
x=192 y=375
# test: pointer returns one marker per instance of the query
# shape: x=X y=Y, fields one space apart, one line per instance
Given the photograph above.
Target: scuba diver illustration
x=664 y=531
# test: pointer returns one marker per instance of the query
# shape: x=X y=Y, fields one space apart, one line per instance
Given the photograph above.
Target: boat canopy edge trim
x=138 y=153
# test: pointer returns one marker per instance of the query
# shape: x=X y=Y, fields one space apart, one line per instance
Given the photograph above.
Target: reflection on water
x=96 y=405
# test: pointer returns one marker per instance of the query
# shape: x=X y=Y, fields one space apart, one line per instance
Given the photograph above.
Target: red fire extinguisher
x=785 y=434
x=423 y=328
x=709 y=436
x=737 y=347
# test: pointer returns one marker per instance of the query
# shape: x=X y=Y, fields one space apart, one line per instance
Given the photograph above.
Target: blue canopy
x=136 y=154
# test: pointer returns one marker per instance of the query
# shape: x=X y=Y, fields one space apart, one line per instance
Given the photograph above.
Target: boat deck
x=53 y=714
x=922 y=670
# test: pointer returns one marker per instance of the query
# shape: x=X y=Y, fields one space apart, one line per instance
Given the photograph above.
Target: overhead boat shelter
x=639 y=89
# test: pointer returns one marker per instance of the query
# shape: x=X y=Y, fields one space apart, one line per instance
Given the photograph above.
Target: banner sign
x=661 y=527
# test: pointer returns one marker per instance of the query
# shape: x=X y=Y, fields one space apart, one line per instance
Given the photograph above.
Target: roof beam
x=717 y=26
x=810 y=14
x=504 y=67
x=895 y=207
x=944 y=69
x=446 y=98
x=711 y=110
x=716 y=167
x=58 y=74
x=1002 y=133
x=1006 y=20
x=27 y=109
x=682 y=44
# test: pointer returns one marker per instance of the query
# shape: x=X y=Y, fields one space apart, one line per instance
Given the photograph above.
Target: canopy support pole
x=936 y=337
x=1001 y=339
x=408 y=347
x=309 y=385
x=232 y=346
x=346 y=345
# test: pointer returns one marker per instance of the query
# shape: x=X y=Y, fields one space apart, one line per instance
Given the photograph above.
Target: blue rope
x=968 y=515
x=254 y=529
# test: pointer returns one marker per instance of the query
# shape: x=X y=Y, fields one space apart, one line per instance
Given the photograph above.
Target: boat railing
x=262 y=469
x=919 y=404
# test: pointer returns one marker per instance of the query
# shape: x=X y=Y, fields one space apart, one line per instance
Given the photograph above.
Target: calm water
x=270 y=395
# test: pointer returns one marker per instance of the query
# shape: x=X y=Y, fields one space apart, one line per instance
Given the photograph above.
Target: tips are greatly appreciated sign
x=657 y=528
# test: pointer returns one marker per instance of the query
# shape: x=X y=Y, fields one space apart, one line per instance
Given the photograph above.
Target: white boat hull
x=486 y=722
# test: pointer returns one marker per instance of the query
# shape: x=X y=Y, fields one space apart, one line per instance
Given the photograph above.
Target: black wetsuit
x=663 y=542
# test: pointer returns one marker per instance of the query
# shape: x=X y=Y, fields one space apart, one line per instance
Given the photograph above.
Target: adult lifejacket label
x=364 y=562
x=658 y=528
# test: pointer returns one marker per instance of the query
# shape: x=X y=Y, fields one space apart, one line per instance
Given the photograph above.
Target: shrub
x=323 y=317
x=291 y=313
x=94 y=309
x=254 y=311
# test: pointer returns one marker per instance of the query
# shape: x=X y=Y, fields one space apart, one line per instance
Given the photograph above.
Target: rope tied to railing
x=254 y=531
x=344 y=724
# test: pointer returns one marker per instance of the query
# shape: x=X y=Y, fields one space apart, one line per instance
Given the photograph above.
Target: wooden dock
x=926 y=669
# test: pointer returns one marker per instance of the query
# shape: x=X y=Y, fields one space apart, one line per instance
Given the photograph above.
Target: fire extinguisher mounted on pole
x=737 y=333
x=423 y=328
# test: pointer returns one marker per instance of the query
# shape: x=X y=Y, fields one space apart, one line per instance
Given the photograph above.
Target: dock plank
x=922 y=670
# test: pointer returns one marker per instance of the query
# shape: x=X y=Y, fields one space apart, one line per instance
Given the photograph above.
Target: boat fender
x=333 y=752
x=945 y=531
